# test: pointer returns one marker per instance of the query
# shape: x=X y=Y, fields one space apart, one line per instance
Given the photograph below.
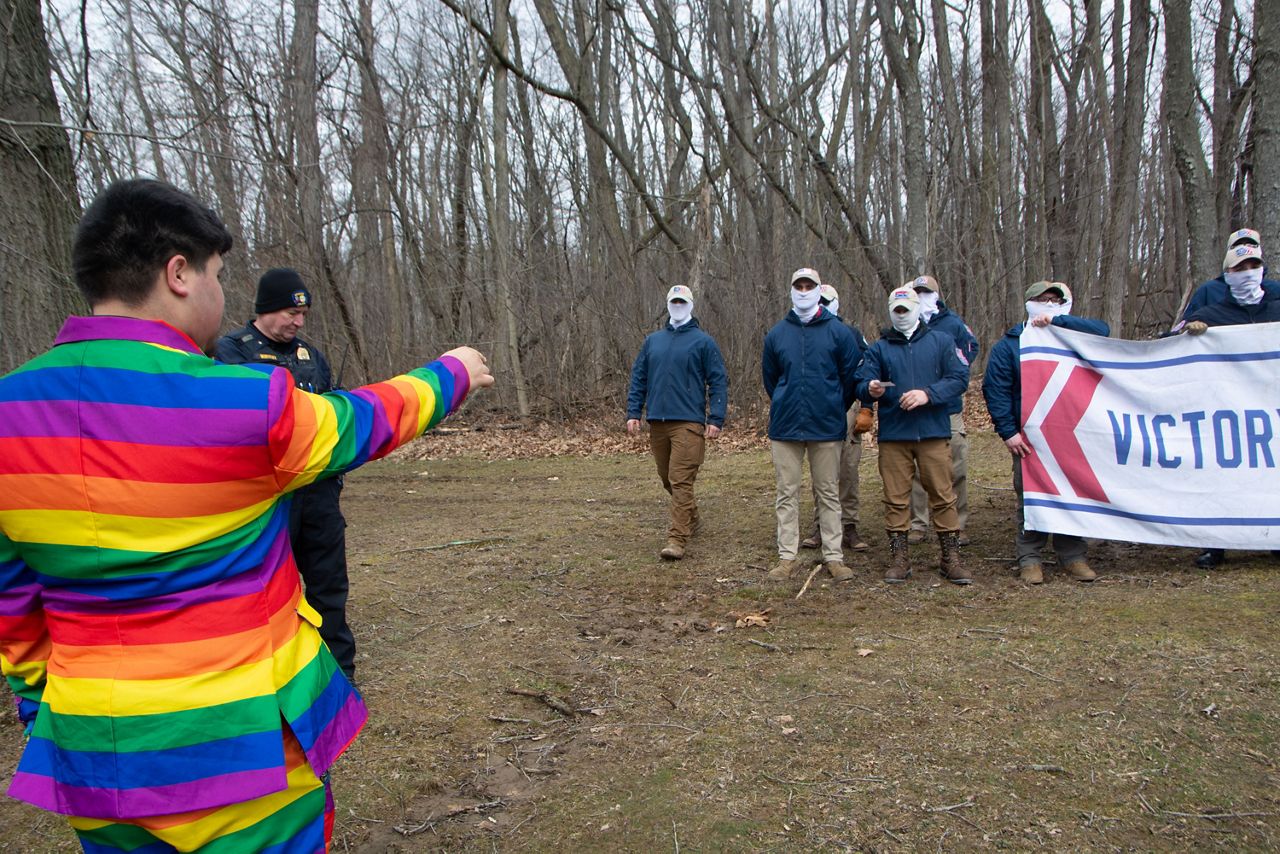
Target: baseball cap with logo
x=806 y=273
x=1240 y=253
x=923 y=283
x=828 y=295
x=903 y=296
x=679 y=292
x=1245 y=235
x=1038 y=289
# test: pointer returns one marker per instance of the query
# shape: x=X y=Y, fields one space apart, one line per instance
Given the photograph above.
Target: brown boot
x=813 y=540
x=783 y=571
x=674 y=550
x=851 y=540
x=916 y=537
x=839 y=572
x=951 y=567
x=1080 y=571
x=899 y=561
x=1032 y=573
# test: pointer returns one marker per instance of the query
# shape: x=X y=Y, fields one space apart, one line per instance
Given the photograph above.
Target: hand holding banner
x=1174 y=441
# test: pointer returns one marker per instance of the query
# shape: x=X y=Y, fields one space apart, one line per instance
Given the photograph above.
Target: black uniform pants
x=318 y=533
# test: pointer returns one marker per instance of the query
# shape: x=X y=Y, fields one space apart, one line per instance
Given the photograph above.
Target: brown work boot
x=951 y=567
x=839 y=572
x=964 y=538
x=899 y=561
x=1032 y=573
x=1080 y=571
x=674 y=550
x=851 y=540
x=813 y=540
x=783 y=571
x=916 y=537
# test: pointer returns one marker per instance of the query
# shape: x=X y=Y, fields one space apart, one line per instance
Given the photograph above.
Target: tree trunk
x=39 y=205
x=1182 y=114
x=1266 y=128
x=502 y=244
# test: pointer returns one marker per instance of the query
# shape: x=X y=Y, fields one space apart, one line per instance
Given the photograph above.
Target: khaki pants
x=959 y=480
x=1028 y=544
x=898 y=464
x=678 y=449
x=824 y=470
x=850 y=459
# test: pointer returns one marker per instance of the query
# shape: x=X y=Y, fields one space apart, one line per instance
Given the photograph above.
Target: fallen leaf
x=863 y=653
x=788 y=730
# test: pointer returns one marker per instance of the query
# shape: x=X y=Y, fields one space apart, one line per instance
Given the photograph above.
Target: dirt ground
x=539 y=680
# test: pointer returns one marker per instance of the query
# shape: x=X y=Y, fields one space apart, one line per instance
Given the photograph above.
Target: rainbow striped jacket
x=152 y=625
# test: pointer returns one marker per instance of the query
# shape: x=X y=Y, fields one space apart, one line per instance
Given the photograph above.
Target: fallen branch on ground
x=554 y=702
x=410 y=830
x=809 y=580
x=450 y=545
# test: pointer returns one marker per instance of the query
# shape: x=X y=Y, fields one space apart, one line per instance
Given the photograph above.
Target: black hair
x=132 y=229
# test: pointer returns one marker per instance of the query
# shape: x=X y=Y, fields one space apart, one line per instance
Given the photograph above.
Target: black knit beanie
x=279 y=288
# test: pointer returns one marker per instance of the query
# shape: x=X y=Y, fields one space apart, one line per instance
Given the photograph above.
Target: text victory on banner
x=1174 y=441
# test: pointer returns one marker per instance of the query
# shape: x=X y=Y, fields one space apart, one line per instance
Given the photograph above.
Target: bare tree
x=40 y=201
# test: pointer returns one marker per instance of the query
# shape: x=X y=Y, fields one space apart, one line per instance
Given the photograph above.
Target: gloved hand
x=1196 y=327
x=864 y=421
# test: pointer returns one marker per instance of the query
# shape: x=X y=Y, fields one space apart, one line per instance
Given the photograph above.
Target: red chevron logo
x=1059 y=429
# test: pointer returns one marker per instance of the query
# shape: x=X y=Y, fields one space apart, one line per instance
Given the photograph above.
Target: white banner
x=1175 y=441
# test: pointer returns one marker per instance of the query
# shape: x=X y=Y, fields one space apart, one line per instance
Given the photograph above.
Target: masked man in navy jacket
x=935 y=314
x=808 y=366
x=915 y=373
x=680 y=384
x=1047 y=303
x=1246 y=300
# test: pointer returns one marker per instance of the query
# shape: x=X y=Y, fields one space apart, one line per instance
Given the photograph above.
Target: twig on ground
x=450 y=545
x=1146 y=805
x=769 y=646
x=411 y=830
x=1029 y=670
x=503 y=720
x=809 y=580
x=1049 y=769
x=968 y=803
x=554 y=702
x=1216 y=816
x=899 y=637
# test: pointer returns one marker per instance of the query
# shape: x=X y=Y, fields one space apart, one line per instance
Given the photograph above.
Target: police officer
x=316 y=525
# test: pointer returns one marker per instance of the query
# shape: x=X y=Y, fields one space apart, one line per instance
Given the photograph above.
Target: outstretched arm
x=318 y=435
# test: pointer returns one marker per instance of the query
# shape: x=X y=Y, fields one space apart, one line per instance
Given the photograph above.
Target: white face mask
x=805 y=302
x=679 y=312
x=833 y=306
x=1046 y=309
x=1246 y=285
x=928 y=305
x=905 y=321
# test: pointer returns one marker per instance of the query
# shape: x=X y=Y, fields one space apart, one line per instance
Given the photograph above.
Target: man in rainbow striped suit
x=152 y=627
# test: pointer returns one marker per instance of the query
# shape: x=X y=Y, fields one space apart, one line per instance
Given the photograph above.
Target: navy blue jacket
x=951 y=323
x=678 y=372
x=1217 y=290
x=248 y=346
x=1002 y=383
x=808 y=371
x=1228 y=312
x=925 y=361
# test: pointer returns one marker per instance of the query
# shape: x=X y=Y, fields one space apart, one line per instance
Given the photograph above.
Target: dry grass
x=1135 y=713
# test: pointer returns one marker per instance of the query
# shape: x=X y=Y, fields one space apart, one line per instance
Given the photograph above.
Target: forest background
x=531 y=177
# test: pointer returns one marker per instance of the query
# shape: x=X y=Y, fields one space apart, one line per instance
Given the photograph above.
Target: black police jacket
x=248 y=346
